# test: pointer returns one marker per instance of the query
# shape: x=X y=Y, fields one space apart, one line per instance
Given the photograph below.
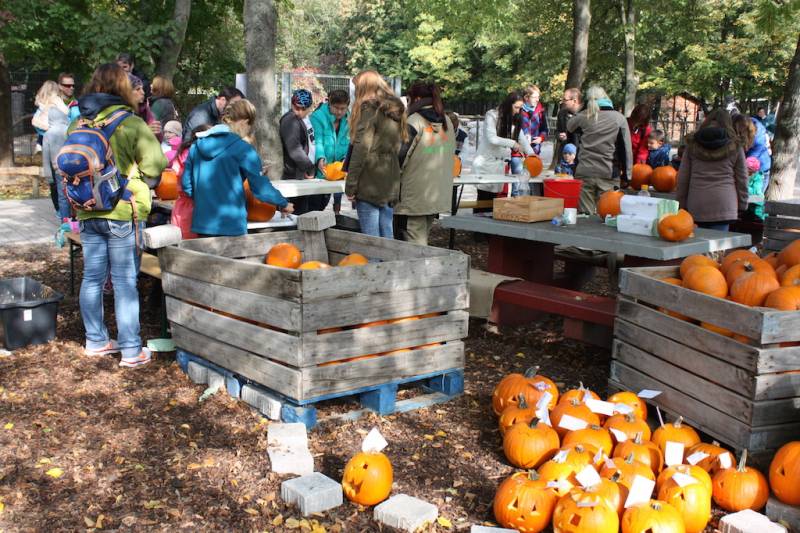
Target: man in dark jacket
x=210 y=112
x=127 y=63
x=570 y=104
x=299 y=148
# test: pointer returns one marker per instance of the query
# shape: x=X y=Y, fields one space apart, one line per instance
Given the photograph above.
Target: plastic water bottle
x=522 y=183
x=645 y=190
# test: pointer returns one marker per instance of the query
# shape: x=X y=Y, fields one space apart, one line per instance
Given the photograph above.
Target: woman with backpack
x=109 y=238
x=426 y=182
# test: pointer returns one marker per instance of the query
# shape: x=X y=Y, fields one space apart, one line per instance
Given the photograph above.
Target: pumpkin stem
x=595 y=427
x=616 y=476
x=630 y=417
x=579 y=448
x=522 y=403
x=534 y=423
x=629 y=458
x=532 y=371
x=678 y=422
x=742 y=461
x=533 y=474
x=637 y=439
x=655 y=505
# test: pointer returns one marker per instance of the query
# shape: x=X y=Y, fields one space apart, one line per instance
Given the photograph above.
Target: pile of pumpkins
x=616 y=449
x=287 y=255
x=662 y=179
x=771 y=280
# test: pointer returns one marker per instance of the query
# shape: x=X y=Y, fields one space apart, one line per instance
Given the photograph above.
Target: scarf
x=419 y=104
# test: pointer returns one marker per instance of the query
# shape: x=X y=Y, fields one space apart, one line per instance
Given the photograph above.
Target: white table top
x=592 y=234
x=294 y=188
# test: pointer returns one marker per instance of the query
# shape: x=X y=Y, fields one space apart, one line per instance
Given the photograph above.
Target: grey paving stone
x=405 y=512
x=312 y=493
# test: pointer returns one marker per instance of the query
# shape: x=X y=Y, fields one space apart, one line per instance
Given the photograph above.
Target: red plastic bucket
x=568 y=189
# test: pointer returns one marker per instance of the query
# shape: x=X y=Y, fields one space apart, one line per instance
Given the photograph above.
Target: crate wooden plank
x=782 y=234
x=271 y=344
x=355 y=342
x=387 y=277
x=283 y=314
x=720 y=371
x=243 y=245
x=256 y=278
x=779 y=385
x=785 y=207
x=276 y=376
x=782 y=223
x=314 y=248
x=774 y=245
x=347 y=242
x=321 y=380
x=396 y=304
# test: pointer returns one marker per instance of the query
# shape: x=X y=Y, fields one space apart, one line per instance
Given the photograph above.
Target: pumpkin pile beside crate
x=595 y=466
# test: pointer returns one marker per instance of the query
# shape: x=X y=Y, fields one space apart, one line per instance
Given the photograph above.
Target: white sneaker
x=142 y=359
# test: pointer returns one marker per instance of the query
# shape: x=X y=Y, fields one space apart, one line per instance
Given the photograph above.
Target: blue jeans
x=374 y=220
x=110 y=243
x=64 y=209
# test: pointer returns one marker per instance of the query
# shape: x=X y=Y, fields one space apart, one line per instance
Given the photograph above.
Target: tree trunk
x=581 y=20
x=173 y=39
x=260 y=32
x=787 y=136
x=629 y=29
x=6 y=131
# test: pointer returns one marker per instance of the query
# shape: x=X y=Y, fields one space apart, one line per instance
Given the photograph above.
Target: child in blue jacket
x=567 y=164
x=657 y=149
x=332 y=135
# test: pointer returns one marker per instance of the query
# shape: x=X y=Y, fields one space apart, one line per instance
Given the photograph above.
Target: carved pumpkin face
x=593 y=436
x=693 y=502
x=524 y=502
x=690 y=470
x=784 y=473
x=654 y=516
x=643 y=451
x=579 y=512
x=710 y=463
x=515 y=414
x=530 y=384
x=623 y=471
x=367 y=478
x=739 y=488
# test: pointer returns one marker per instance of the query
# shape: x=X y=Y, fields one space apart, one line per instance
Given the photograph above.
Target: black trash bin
x=28 y=312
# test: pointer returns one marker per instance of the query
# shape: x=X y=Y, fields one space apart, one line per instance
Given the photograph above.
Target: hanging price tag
x=610 y=463
x=544 y=400
x=373 y=442
x=673 y=453
x=696 y=457
x=588 y=477
x=621 y=436
x=647 y=394
x=725 y=460
x=683 y=480
x=599 y=406
x=623 y=408
x=572 y=423
x=641 y=491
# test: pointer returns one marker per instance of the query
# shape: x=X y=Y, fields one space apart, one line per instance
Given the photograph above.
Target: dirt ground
x=85 y=444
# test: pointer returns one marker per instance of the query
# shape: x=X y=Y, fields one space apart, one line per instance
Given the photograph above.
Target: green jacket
x=373 y=173
x=137 y=154
x=329 y=144
x=755 y=187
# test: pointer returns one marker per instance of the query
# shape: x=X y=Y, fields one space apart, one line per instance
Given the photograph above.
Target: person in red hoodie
x=638 y=124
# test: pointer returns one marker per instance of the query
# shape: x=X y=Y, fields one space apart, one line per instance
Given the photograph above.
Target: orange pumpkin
x=692 y=501
x=739 y=488
x=675 y=432
x=740 y=268
x=753 y=288
x=677 y=227
x=594 y=436
x=524 y=502
x=734 y=256
x=664 y=179
x=623 y=471
x=581 y=455
x=784 y=473
x=609 y=204
x=579 y=394
x=790 y=255
x=313 y=265
x=575 y=409
x=784 y=299
x=707 y=280
x=654 y=516
x=284 y=255
x=514 y=414
x=528 y=445
x=534 y=165
x=532 y=385
x=791 y=277
x=561 y=474
x=333 y=171
x=257 y=211
x=580 y=512
x=643 y=451
x=640 y=175
x=631 y=399
x=354 y=259
x=772 y=259
x=629 y=424
x=167 y=188
x=611 y=492
x=456 y=166
x=713 y=450
x=690 y=470
x=695 y=261
x=780 y=271
x=717 y=329
x=367 y=478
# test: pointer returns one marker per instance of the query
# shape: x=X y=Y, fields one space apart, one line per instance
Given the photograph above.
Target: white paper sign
x=27 y=315
x=673 y=453
x=560 y=484
x=621 y=436
x=544 y=401
x=648 y=394
x=641 y=491
x=598 y=456
x=683 y=480
x=540 y=385
x=560 y=456
x=544 y=416
x=696 y=457
x=623 y=408
x=725 y=460
x=610 y=463
x=587 y=395
x=572 y=423
x=588 y=503
x=600 y=407
x=588 y=477
x=374 y=442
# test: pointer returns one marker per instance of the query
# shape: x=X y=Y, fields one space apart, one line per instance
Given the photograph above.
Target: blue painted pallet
x=442 y=386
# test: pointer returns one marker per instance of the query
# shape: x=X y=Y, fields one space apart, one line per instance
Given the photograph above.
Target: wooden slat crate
x=745 y=395
x=267 y=323
x=782 y=224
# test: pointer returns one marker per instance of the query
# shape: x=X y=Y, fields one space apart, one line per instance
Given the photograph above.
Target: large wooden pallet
x=269 y=324
x=746 y=395
x=782 y=224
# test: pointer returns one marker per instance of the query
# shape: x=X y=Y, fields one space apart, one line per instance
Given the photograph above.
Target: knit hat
x=174 y=127
x=753 y=164
x=302 y=98
x=570 y=148
x=136 y=81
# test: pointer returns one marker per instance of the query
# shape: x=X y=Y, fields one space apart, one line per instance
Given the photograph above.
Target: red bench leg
x=520 y=258
x=594 y=334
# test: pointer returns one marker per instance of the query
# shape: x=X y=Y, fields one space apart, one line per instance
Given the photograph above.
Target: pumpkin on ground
x=623 y=471
x=284 y=255
x=581 y=512
x=784 y=473
x=528 y=445
x=675 y=432
x=784 y=299
x=753 y=288
x=611 y=492
x=628 y=424
x=713 y=450
x=692 y=501
x=677 y=227
x=594 y=436
x=333 y=171
x=580 y=394
x=631 y=399
x=524 y=502
x=690 y=470
x=644 y=451
x=740 y=487
x=654 y=516
x=257 y=211
x=640 y=175
x=534 y=165
x=367 y=478
x=790 y=255
x=707 y=280
x=532 y=385
x=354 y=259
x=167 y=188
x=609 y=204
x=575 y=409
x=513 y=414
x=664 y=178
x=695 y=261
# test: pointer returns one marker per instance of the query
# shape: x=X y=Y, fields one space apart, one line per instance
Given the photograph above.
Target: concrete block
x=313 y=493
x=197 y=373
x=287 y=435
x=485 y=529
x=405 y=512
x=215 y=379
x=294 y=461
x=749 y=521
x=784 y=513
x=268 y=404
x=316 y=221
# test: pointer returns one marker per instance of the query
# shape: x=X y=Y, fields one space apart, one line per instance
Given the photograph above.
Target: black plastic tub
x=28 y=312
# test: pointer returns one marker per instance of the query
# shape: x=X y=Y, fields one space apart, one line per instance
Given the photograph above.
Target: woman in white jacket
x=501 y=136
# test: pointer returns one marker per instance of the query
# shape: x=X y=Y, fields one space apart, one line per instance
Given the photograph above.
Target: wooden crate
x=745 y=395
x=527 y=208
x=265 y=323
x=782 y=224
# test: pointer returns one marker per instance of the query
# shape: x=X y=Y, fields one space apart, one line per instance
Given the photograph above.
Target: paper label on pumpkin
x=684 y=480
x=587 y=395
x=560 y=484
x=598 y=456
x=544 y=401
x=572 y=423
x=544 y=416
x=623 y=408
x=610 y=463
x=587 y=503
x=696 y=457
x=641 y=491
x=560 y=456
x=725 y=460
x=540 y=385
x=588 y=477
x=673 y=453
x=600 y=407
x=374 y=442
x=621 y=436
x=647 y=394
